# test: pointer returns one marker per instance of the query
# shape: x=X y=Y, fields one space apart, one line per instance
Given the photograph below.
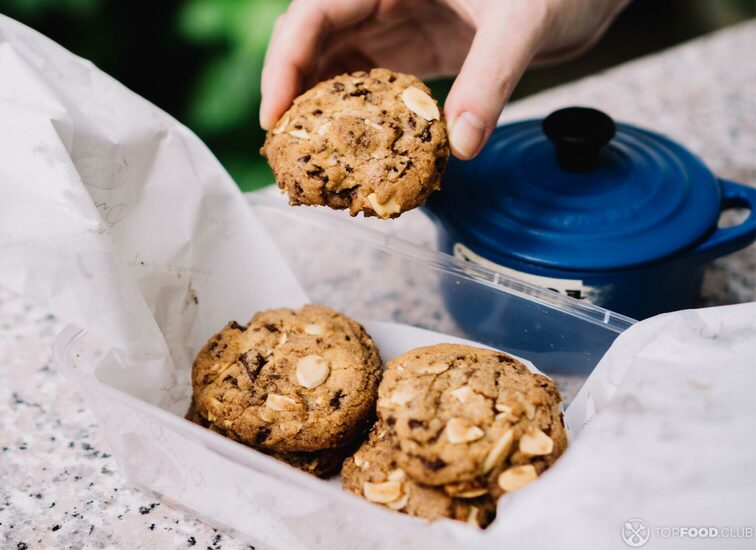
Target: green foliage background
x=200 y=60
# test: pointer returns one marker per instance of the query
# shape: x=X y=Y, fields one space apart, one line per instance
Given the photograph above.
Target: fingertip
x=467 y=135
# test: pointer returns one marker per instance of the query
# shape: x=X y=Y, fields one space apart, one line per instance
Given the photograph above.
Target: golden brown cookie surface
x=291 y=381
x=369 y=142
x=463 y=416
x=372 y=473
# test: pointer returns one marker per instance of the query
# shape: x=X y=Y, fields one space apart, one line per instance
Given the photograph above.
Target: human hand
x=488 y=43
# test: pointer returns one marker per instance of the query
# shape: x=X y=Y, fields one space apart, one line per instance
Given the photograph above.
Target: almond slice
x=282 y=124
x=324 y=128
x=463 y=394
x=401 y=503
x=299 y=133
x=472 y=493
x=386 y=209
x=499 y=451
x=516 y=477
x=312 y=371
x=420 y=103
x=278 y=402
x=536 y=443
x=382 y=493
x=396 y=475
x=373 y=124
x=436 y=368
x=314 y=329
x=472 y=516
x=459 y=430
x=402 y=396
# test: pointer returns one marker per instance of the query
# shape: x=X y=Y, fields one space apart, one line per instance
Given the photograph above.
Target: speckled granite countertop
x=58 y=484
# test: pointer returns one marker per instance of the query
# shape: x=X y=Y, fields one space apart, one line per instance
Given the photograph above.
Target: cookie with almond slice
x=290 y=381
x=372 y=142
x=373 y=473
x=464 y=416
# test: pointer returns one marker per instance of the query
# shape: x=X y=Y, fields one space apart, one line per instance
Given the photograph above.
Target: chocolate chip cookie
x=369 y=142
x=290 y=381
x=374 y=474
x=470 y=419
x=324 y=463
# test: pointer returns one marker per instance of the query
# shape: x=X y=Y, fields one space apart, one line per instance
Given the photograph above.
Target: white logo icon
x=635 y=532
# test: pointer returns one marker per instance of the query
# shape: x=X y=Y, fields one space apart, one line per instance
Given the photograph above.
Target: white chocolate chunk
x=420 y=103
x=382 y=493
x=314 y=329
x=312 y=371
x=459 y=430
x=499 y=451
x=299 y=134
x=278 y=402
x=516 y=477
x=386 y=209
x=536 y=443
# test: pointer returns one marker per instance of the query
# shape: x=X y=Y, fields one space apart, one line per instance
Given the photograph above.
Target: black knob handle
x=578 y=134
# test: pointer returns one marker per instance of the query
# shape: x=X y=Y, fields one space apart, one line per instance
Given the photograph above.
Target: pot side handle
x=726 y=240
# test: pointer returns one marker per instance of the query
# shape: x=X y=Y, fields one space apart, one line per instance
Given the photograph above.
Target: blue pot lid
x=573 y=201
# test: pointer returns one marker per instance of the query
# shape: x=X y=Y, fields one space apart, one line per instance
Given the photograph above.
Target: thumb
x=500 y=53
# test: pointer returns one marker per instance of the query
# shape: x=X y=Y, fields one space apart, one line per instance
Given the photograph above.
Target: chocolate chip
x=298 y=126
x=392 y=78
x=347 y=337
x=304 y=158
x=317 y=112
x=391 y=421
x=234 y=382
x=412 y=123
x=425 y=135
x=337 y=87
x=319 y=173
x=414 y=424
x=433 y=465
x=406 y=167
x=262 y=435
x=504 y=359
x=335 y=401
x=252 y=365
x=348 y=169
x=237 y=326
x=360 y=92
x=271 y=327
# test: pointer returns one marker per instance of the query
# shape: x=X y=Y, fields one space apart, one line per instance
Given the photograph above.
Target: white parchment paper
x=118 y=219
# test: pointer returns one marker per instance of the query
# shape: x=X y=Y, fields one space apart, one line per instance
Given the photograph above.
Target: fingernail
x=467 y=135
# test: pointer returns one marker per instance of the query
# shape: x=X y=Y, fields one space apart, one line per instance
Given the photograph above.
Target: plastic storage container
x=373 y=278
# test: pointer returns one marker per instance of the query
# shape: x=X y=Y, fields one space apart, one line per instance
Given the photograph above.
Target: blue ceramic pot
x=613 y=214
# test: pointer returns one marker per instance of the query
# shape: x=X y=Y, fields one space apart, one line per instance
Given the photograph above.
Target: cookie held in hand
x=368 y=142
